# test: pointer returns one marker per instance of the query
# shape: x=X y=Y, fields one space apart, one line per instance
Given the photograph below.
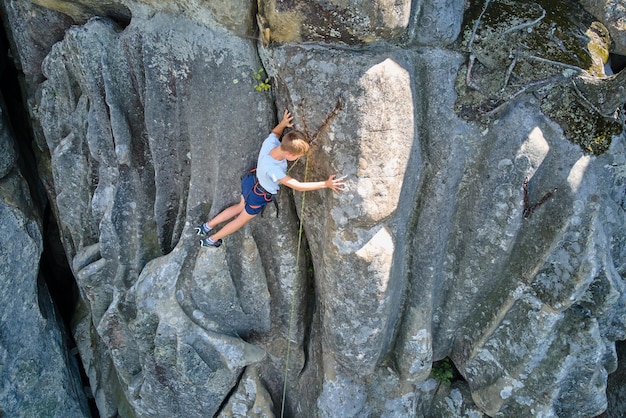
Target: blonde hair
x=295 y=143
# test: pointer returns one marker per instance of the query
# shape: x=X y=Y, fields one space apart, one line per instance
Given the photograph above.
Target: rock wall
x=476 y=224
x=39 y=376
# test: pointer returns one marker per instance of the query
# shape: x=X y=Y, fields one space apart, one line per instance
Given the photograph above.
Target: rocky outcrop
x=39 y=377
x=144 y=198
x=425 y=22
x=474 y=226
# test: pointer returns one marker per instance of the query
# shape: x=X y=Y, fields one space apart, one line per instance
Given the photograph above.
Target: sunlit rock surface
x=473 y=226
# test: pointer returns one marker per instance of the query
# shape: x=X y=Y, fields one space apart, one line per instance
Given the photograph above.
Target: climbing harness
x=258 y=190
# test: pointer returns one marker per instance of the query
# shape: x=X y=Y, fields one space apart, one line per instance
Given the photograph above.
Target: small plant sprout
x=442 y=372
x=263 y=82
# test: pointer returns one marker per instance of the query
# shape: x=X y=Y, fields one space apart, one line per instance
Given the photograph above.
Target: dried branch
x=468 y=75
x=551 y=62
x=526 y=25
x=530 y=209
x=509 y=71
x=536 y=85
x=526 y=200
x=587 y=101
x=327 y=121
x=306 y=129
x=476 y=24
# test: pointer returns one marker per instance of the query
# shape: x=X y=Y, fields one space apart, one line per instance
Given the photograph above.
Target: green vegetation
x=442 y=371
x=262 y=81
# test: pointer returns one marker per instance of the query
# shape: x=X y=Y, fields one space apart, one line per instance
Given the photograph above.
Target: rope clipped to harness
x=260 y=191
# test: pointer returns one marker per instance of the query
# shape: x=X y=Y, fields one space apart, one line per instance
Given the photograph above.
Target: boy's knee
x=245 y=217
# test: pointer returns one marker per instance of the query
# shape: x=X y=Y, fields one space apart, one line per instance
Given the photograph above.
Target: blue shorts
x=255 y=197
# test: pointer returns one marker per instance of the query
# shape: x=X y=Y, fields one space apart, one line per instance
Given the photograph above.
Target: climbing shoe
x=208 y=242
x=203 y=229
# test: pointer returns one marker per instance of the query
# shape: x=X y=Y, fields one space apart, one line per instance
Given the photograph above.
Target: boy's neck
x=278 y=154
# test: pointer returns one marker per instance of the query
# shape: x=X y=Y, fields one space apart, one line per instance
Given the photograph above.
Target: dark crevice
x=18 y=119
x=229 y=394
x=615 y=384
x=617 y=62
x=310 y=306
x=119 y=14
x=55 y=276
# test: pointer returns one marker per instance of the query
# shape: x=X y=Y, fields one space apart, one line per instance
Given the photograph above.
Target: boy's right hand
x=286 y=122
x=336 y=184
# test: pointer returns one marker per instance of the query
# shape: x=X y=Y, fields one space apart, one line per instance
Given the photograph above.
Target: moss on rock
x=581 y=125
x=519 y=48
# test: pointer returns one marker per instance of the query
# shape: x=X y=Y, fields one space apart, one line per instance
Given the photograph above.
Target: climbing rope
x=312 y=140
x=295 y=288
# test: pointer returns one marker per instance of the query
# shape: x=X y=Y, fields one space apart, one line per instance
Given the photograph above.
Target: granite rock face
x=473 y=225
x=38 y=375
x=145 y=197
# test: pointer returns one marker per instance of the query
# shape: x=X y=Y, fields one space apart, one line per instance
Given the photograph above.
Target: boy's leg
x=234 y=225
x=228 y=213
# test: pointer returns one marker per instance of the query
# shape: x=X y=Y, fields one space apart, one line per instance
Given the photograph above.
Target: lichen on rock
x=521 y=48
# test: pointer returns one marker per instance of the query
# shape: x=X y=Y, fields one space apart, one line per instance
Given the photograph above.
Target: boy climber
x=258 y=189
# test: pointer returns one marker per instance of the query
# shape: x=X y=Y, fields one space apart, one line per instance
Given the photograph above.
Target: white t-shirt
x=269 y=170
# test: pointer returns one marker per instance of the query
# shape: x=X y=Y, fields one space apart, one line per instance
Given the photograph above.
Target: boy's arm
x=333 y=183
x=284 y=123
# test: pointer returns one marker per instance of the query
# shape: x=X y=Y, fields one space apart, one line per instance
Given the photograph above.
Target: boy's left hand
x=336 y=184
